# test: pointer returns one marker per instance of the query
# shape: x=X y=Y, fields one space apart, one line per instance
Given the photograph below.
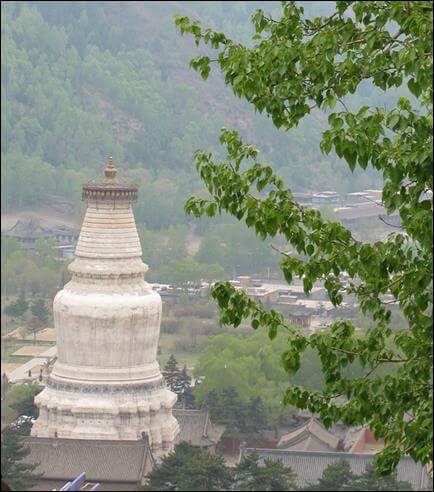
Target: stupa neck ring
x=107 y=193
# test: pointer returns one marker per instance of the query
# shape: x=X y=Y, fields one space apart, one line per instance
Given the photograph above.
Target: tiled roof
x=28 y=227
x=102 y=460
x=311 y=436
x=309 y=466
x=195 y=427
x=32 y=227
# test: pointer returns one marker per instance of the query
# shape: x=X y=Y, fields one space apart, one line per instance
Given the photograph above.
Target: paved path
x=21 y=373
x=51 y=352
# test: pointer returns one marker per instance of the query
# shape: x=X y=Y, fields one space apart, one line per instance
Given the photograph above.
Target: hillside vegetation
x=84 y=80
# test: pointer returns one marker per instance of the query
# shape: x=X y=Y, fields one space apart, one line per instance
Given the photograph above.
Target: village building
x=352 y=215
x=300 y=317
x=325 y=198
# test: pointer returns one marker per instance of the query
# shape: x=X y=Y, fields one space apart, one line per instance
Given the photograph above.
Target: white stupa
x=106 y=382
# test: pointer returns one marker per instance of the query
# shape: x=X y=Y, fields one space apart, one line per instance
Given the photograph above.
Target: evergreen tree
x=189 y=400
x=184 y=386
x=172 y=374
x=273 y=475
x=190 y=468
x=336 y=476
x=369 y=481
x=18 y=475
x=184 y=379
x=256 y=419
x=232 y=411
x=213 y=403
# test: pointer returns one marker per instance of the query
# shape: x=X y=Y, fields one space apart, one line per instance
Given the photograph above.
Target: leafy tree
x=20 y=398
x=252 y=365
x=293 y=66
x=40 y=311
x=188 y=270
x=20 y=476
x=235 y=249
x=273 y=475
x=17 y=308
x=190 y=468
x=45 y=247
x=8 y=246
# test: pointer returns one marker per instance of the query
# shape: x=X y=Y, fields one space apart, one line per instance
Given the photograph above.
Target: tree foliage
x=20 y=400
x=17 y=308
x=293 y=65
x=338 y=476
x=172 y=374
x=35 y=272
x=242 y=368
x=369 y=481
x=79 y=82
x=40 y=311
x=190 y=468
x=20 y=476
x=272 y=475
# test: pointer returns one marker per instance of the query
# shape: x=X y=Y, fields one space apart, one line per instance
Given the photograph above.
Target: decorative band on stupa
x=110 y=189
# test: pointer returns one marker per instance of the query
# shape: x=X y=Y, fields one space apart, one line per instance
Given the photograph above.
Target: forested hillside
x=86 y=79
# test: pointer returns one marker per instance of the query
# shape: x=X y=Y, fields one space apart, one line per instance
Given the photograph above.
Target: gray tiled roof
x=195 y=427
x=102 y=460
x=27 y=227
x=311 y=436
x=309 y=466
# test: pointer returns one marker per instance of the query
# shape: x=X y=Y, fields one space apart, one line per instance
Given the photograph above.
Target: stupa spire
x=110 y=171
x=110 y=189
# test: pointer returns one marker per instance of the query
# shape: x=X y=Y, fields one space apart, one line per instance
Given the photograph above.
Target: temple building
x=28 y=231
x=310 y=465
x=197 y=429
x=106 y=384
x=312 y=436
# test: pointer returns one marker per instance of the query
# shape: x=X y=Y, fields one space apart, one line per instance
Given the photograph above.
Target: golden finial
x=110 y=171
